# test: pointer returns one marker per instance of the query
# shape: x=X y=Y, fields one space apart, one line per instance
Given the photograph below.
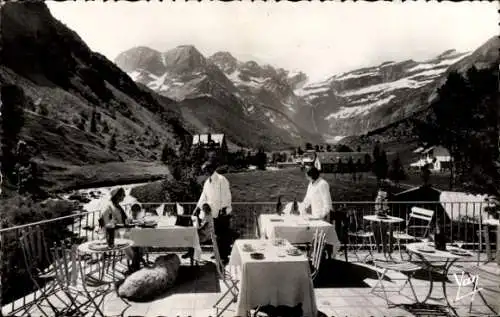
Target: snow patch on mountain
x=347 y=112
x=441 y=64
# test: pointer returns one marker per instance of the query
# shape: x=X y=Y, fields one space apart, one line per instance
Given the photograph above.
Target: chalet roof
x=217 y=138
x=437 y=151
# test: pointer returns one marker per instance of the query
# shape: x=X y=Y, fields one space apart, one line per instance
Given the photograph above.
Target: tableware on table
x=312 y=218
x=257 y=256
x=277 y=220
x=431 y=244
x=110 y=235
x=459 y=252
x=459 y=244
x=248 y=248
x=427 y=249
x=103 y=246
x=278 y=242
x=293 y=252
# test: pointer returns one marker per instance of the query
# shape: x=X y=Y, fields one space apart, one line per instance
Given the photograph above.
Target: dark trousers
x=340 y=218
x=224 y=237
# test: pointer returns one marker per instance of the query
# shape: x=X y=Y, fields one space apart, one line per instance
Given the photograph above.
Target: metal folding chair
x=230 y=276
x=408 y=269
x=417 y=214
x=319 y=242
x=70 y=277
x=38 y=264
x=473 y=272
x=360 y=234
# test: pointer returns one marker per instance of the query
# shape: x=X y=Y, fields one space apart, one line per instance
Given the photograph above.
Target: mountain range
x=348 y=104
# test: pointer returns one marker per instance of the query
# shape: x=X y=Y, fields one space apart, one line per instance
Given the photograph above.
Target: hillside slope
x=66 y=84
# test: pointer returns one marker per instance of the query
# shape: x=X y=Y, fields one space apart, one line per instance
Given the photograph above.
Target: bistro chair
x=316 y=256
x=355 y=234
x=38 y=265
x=230 y=276
x=70 y=275
x=406 y=269
x=421 y=215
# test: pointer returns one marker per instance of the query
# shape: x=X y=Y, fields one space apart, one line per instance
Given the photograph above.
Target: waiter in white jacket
x=217 y=194
x=318 y=198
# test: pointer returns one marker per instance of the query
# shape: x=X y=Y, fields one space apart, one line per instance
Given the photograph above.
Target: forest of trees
x=464 y=119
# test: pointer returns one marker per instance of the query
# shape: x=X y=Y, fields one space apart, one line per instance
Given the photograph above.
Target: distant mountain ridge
x=348 y=104
x=259 y=98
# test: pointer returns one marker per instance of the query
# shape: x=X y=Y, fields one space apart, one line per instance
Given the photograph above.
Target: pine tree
x=112 y=142
x=93 y=122
x=397 y=172
x=464 y=120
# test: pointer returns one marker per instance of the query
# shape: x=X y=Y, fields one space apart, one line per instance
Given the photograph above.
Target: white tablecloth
x=296 y=229
x=167 y=235
x=275 y=280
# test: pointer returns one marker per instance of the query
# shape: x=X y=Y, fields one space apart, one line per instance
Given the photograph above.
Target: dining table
x=273 y=272
x=437 y=261
x=166 y=234
x=297 y=229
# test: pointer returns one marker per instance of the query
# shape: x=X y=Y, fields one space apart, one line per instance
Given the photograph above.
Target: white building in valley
x=437 y=157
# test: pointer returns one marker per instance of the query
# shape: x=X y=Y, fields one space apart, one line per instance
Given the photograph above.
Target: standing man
x=217 y=194
x=318 y=197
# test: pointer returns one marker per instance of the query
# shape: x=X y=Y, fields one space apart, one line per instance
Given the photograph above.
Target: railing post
x=1 y=268
x=498 y=243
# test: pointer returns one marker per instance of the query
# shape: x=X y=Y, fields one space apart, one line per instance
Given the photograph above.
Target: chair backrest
x=424 y=217
x=35 y=251
x=218 y=261
x=65 y=264
x=319 y=241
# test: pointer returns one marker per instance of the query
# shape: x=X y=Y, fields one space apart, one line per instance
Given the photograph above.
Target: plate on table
x=382 y=216
x=293 y=252
x=313 y=218
x=248 y=248
x=257 y=256
x=99 y=246
x=427 y=249
x=277 y=220
x=149 y=224
x=459 y=252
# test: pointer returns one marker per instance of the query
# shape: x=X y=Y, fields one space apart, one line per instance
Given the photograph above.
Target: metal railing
x=462 y=221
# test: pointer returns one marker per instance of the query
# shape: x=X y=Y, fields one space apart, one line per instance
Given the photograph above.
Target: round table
x=108 y=256
x=108 y=260
x=388 y=220
x=120 y=245
x=436 y=256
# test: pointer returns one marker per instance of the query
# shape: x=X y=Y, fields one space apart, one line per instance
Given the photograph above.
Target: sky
x=318 y=38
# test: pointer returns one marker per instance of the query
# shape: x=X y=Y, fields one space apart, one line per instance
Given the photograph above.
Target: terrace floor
x=341 y=289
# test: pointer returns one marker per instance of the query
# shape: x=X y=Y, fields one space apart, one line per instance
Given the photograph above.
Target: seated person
x=114 y=214
x=136 y=212
x=205 y=224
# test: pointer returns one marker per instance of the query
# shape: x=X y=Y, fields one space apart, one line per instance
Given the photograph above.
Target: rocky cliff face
x=365 y=99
